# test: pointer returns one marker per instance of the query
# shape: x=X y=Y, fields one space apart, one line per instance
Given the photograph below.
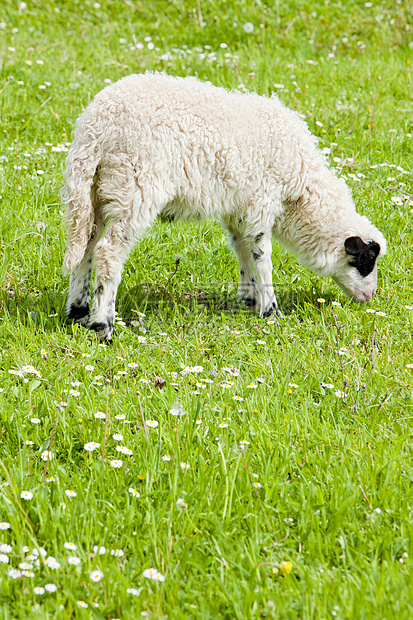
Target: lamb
x=154 y=145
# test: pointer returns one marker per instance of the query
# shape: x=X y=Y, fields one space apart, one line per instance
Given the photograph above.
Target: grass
x=313 y=517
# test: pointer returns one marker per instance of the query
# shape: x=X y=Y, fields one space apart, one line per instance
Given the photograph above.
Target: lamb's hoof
x=79 y=314
x=105 y=331
x=272 y=310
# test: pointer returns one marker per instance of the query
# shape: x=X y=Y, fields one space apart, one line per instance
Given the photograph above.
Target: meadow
x=210 y=464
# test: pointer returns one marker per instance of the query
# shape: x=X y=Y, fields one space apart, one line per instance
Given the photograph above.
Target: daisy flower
x=133 y=365
x=152 y=423
x=185 y=466
x=339 y=394
x=133 y=591
x=51 y=562
x=70 y=545
x=96 y=575
x=152 y=573
x=335 y=303
x=74 y=560
x=14 y=573
x=244 y=442
x=261 y=342
x=118 y=553
x=38 y=590
x=35 y=420
x=232 y=370
x=70 y=493
x=222 y=425
x=100 y=415
x=134 y=492
x=26 y=495
x=50 y=587
x=120 y=416
x=4 y=525
x=116 y=463
x=4 y=558
x=82 y=604
x=47 y=455
x=117 y=437
x=166 y=457
x=257 y=485
x=321 y=300
x=92 y=445
x=124 y=450
x=239 y=398
x=5 y=548
x=370 y=311
x=29 y=442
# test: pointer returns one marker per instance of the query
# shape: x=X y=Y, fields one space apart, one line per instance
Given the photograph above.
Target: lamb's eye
x=370 y=255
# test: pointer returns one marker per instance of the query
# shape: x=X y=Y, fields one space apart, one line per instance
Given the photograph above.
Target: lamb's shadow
x=45 y=309
x=212 y=301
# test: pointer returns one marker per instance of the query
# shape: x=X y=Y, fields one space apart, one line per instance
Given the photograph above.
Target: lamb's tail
x=81 y=164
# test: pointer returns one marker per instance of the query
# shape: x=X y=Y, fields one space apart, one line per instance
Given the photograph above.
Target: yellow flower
x=285 y=567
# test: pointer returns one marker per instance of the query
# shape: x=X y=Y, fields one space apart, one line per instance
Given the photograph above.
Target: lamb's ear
x=355 y=246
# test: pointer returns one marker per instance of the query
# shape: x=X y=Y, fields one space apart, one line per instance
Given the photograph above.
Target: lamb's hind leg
x=78 y=301
x=261 y=249
x=111 y=253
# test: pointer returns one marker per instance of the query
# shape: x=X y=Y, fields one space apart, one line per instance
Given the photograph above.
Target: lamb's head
x=355 y=266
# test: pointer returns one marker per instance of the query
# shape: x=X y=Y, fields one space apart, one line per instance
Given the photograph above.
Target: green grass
x=335 y=474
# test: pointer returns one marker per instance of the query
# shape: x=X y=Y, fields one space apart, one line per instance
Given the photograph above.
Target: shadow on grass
x=45 y=309
x=155 y=300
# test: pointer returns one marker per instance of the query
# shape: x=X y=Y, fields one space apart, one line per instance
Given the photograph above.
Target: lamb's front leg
x=261 y=254
x=247 y=289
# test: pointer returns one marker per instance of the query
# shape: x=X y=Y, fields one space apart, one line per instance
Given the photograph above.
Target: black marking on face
x=242 y=272
x=364 y=254
x=99 y=290
x=259 y=237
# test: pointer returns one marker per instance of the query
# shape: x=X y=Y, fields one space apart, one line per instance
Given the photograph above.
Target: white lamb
x=154 y=145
